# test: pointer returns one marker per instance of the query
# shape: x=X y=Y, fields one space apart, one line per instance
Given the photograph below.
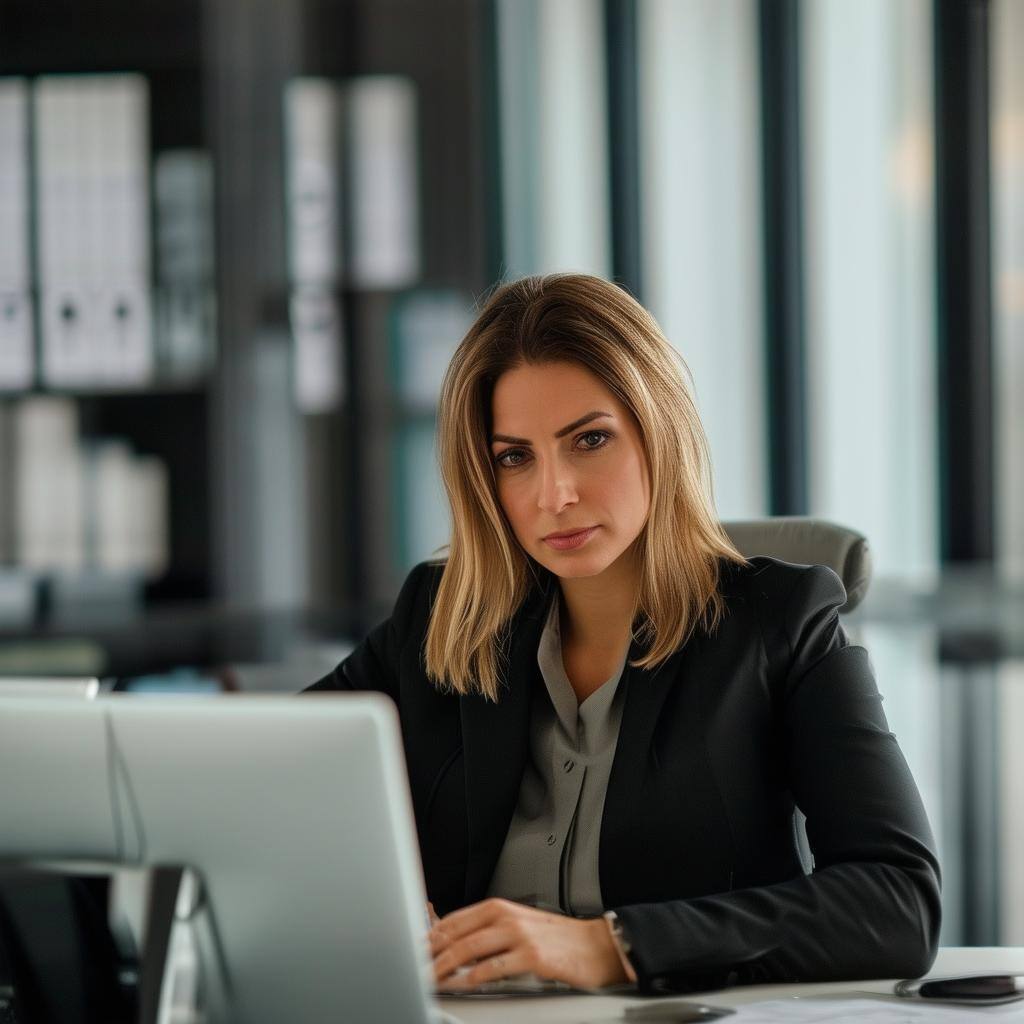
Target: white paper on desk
x=868 y=1011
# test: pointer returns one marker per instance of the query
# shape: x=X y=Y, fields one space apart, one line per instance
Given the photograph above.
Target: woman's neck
x=597 y=612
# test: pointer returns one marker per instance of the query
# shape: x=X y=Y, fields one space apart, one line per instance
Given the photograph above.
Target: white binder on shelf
x=67 y=338
x=17 y=586
x=17 y=347
x=7 y=480
x=110 y=505
x=121 y=109
x=150 y=537
x=92 y=142
x=317 y=375
x=312 y=133
x=49 y=519
x=313 y=125
x=127 y=511
x=126 y=329
x=384 y=181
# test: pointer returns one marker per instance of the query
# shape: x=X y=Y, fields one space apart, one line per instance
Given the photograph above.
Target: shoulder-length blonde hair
x=578 y=319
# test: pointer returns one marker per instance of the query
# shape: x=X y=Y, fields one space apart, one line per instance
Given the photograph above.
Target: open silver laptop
x=83 y=687
x=294 y=815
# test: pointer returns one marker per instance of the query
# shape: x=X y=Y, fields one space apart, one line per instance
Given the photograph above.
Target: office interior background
x=239 y=240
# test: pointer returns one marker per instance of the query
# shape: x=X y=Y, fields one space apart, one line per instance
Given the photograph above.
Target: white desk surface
x=579 y=1009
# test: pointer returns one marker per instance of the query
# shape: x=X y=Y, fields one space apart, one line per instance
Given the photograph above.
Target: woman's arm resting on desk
x=871 y=908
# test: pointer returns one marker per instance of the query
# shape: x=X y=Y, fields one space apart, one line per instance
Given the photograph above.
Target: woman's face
x=570 y=467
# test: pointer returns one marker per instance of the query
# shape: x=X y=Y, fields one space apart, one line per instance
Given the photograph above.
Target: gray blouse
x=550 y=856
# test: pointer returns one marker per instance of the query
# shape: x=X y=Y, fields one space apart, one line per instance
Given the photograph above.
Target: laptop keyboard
x=521 y=984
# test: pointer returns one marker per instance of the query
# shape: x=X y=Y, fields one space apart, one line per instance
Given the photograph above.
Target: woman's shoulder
x=427 y=573
x=776 y=585
x=417 y=594
x=793 y=609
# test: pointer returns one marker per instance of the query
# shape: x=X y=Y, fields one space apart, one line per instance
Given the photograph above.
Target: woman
x=608 y=714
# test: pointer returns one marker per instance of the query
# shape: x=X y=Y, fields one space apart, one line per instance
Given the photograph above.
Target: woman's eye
x=510 y=458
x=592 y=439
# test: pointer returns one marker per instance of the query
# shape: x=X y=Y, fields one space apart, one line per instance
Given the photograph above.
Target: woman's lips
x=572 y=540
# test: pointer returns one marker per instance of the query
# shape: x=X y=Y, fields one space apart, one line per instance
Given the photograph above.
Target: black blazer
x=697 y=850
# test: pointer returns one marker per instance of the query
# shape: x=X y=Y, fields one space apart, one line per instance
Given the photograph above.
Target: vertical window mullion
x=783 y=254
x=964 y=279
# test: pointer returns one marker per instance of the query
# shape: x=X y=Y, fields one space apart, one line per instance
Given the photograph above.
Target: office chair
x=807 y=541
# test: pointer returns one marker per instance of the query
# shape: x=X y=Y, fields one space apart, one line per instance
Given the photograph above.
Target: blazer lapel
x=495 y=739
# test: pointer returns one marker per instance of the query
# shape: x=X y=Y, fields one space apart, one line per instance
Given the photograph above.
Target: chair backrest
x=808 y=541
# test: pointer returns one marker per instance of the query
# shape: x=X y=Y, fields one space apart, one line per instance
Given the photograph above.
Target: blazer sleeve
x=373 y=665
x=871 y=907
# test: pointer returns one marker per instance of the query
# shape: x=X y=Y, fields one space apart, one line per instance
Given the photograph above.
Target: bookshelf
x=270 y=503
x=111 y=107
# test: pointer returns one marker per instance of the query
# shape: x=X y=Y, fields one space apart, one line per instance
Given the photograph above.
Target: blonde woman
x=609 y=715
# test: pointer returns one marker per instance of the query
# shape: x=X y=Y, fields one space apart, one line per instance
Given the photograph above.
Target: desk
x=576 y=1009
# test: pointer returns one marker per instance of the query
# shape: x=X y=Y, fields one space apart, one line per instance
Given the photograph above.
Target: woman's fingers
x=468 y=920
x=487 y=942
x=498 y=939
x=478 y=915
x=491 y=968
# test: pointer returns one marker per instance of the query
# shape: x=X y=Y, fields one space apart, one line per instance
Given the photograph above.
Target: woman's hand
x=501 y=939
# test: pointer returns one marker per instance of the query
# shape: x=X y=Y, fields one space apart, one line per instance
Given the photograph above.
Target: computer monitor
x=295 y=815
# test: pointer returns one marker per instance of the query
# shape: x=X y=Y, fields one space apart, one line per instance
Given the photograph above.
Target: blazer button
x=551 y=840
x=568 y=766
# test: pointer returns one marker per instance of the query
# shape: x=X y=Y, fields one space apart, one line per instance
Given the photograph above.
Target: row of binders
x=72 y=506
x=78 y=307
x=352 y=212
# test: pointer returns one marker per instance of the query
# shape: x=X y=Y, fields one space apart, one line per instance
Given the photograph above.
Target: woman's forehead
x=552 y=391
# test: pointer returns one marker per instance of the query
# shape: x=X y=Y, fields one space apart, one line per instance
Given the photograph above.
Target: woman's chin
x=572 y=565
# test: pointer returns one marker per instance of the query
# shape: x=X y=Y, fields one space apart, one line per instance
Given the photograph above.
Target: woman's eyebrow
x=585 y=418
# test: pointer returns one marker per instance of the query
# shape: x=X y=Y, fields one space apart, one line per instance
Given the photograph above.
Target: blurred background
x=239 y=240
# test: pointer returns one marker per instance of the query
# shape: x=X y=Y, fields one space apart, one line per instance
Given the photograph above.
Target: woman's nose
x=557 y=488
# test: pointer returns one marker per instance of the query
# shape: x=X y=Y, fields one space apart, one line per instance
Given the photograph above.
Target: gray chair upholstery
x=807 y=541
